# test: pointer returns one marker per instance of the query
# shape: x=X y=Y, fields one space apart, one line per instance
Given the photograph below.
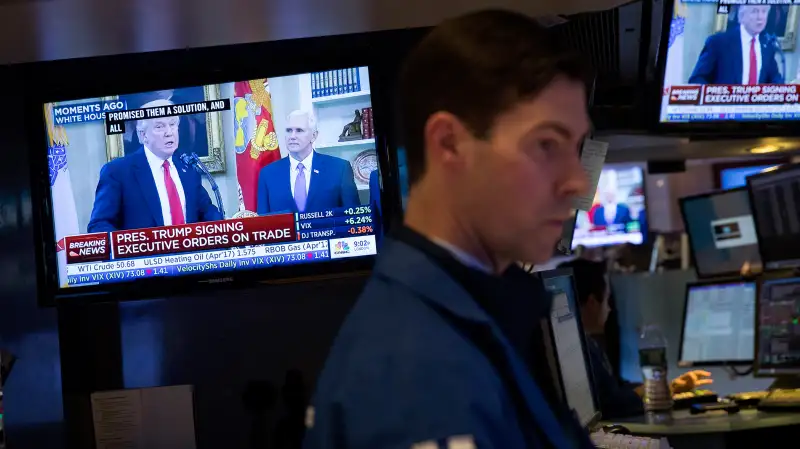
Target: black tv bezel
x=644 y=231
x=124 y=74
x=707 y=129
x=712 y=363
x=568 y=272
x=692 y=254
x=778 y=171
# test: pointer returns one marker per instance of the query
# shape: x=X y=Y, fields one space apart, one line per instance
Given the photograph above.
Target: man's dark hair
x=590 y=278
x=477 y=67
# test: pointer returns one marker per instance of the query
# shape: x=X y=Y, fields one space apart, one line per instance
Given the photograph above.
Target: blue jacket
x=332 y=185
x=405 y=370
x=720 y=61
x=127 y=198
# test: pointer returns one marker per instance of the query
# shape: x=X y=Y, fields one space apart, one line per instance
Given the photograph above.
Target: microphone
x=193 y=160
x=772 y=40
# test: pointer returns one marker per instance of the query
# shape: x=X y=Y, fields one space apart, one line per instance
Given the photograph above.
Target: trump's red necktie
x=753 y=76
x=175 y=208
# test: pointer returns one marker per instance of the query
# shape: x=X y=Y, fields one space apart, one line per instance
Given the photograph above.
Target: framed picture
x=781 y=22
x=198 y=133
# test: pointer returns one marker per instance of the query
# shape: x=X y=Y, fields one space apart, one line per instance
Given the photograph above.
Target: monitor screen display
x=731 y=178
x=243 y=175
x=722 y=234
x=718 y=323
x=775 y=197
x=618 y=212
x=569 y=347
x=778 y=329
x=731 y=61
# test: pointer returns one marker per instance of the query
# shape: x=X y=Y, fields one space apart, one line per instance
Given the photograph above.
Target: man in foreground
x=617 y=399
x=439 y=351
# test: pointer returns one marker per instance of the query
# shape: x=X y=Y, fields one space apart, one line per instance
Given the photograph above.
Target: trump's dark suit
x=127 y=198
x=622 y=216
x=720 y=62
x=332 y=185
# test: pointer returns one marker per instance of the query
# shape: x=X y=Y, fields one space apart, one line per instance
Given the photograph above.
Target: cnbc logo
x=341 y=248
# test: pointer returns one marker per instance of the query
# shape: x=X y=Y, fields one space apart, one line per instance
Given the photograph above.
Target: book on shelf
x=367 y=127
x=335 y=82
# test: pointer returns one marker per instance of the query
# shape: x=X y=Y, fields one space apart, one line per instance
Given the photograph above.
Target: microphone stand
x=194 y=161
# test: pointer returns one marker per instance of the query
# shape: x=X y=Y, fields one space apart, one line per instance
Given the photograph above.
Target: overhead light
x=765 y=149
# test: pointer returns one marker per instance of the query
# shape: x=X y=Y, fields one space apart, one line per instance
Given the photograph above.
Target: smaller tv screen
x=732 y=178
x=722 y=234
x=618 y=213
x=731 y=61
x=207 y=180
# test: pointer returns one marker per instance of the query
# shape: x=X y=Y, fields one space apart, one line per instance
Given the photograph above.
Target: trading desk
x=716 y=429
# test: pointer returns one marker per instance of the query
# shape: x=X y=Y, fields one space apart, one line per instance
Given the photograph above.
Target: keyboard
x=619 y=441
x=779 y=400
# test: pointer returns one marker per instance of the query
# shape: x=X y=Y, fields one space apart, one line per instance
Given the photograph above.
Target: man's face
x=161 y=136
x=754 y=18
x=299 y=135
x=518 y=185
x=610 y=196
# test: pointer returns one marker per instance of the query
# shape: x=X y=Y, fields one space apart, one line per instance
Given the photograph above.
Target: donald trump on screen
x=150 y=188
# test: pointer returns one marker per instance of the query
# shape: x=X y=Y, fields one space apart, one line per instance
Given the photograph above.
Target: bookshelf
x=333 y=112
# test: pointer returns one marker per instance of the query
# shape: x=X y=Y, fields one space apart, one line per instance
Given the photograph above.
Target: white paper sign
x=145 y=418
x=593 y=157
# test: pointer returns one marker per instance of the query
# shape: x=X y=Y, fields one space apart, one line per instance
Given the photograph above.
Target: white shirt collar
x=306 y=162
x=462 y=256
x=747 y=37
x=154 y=161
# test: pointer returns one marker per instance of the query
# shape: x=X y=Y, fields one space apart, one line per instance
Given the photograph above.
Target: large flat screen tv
x=618 y=214
x=207 y=182
x=730 y=61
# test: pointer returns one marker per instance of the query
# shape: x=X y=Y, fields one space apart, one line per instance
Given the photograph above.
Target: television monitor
x=618 y=214
x=778 y=328
x=566 y=342
x=775 y=200
x=722 y=235
x=732 y=178
x=729 y=62
x=212 y=182
x=718 y=324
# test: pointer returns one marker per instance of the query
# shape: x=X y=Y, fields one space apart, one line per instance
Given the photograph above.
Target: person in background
x=610 y=211
x=617 y=399
x=742 y=54
x=150 y=187
x=438 y=350
x=316 y=181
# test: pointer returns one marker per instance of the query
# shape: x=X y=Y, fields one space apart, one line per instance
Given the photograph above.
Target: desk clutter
x=610 y=440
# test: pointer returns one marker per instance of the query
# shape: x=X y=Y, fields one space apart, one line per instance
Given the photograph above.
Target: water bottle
x=653 y=360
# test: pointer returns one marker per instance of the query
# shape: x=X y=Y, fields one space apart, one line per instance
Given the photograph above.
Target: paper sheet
x=593 y=157
x=145 y=418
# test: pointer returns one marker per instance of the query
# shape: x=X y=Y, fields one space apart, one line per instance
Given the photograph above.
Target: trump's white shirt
x=293 y=171
x=610 y=212
x=746 y=42
x=156 y=167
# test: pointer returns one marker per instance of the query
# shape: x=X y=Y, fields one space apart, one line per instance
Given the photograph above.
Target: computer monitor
x=718 y=324
x=722 y=235
x=778 y=328
x=775 y=200
x=568 y=344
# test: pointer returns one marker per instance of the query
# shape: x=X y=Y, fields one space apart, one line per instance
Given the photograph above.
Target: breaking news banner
x=115 y=119
x=724 y=6
x=735 y=94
